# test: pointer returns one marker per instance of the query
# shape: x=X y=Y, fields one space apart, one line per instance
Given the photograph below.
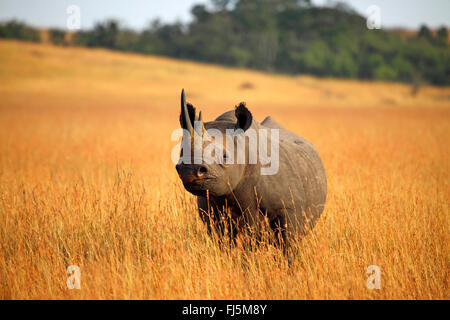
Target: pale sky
x=138 y=13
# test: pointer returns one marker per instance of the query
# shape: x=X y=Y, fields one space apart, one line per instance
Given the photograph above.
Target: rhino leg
x=202 y=204
x=211 y=216
x=278 y=226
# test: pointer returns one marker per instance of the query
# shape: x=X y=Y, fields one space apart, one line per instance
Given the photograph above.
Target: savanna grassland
x=86 y=179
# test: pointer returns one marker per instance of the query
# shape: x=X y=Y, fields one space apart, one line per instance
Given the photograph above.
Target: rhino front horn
x=185 y=114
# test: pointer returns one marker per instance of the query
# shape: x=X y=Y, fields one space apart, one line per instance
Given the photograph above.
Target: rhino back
x=227 y=116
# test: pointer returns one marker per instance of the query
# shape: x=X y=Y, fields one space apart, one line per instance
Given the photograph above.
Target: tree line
x=286 y=36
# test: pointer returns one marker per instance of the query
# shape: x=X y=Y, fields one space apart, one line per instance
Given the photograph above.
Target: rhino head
x=208 y=164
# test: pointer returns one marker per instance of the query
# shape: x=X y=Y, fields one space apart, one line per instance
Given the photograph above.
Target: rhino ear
x=243 y=116
x=191 y=113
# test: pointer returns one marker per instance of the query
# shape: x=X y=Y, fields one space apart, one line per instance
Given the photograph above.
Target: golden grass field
x=86 y=179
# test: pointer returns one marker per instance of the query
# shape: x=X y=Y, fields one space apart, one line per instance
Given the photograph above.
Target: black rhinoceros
x=289 y=198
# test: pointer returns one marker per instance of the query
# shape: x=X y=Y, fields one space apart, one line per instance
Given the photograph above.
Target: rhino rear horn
x=200 y=127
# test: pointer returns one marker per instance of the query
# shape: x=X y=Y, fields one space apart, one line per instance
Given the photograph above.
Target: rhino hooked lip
x=192 y=179
x=193 y=176
x=196 y=186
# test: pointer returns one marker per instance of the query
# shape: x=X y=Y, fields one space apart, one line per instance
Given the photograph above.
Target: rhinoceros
x=289 y=200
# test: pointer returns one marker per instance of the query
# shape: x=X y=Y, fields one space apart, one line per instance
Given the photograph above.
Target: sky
x=137 y=14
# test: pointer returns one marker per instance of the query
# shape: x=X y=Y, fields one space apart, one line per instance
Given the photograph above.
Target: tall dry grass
x=86 y=179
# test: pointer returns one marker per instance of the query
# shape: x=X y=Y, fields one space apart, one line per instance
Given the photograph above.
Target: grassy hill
x=86 y=179
x=85 y=77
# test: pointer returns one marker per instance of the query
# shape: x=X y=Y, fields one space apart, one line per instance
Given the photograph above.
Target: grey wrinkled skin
x=290 y=201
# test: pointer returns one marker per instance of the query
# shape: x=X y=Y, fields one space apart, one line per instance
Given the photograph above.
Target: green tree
x=104 y=35
x=17 y=30
x=385 y=72
x=403 y=68
x=57 y=36
x=442 y=37
x=425 y=33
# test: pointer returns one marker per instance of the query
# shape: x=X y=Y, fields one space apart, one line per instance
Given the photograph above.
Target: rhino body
x=290 y=201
